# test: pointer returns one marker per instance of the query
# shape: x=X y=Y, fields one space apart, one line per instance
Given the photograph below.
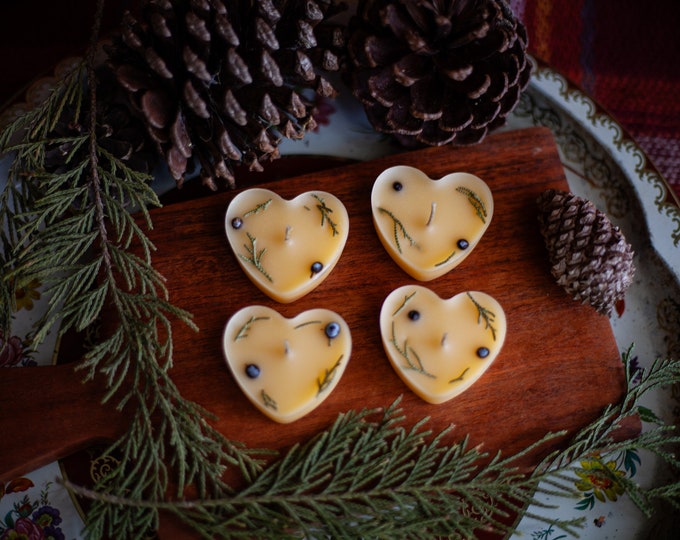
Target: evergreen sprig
x=373 y=477
x=598 y=440
x=73 y=230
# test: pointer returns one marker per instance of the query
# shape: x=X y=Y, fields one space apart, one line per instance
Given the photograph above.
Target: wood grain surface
x=558 y=368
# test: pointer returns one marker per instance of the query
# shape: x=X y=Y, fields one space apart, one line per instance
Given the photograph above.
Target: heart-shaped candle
x=286 y=248
x=440 y=347
x=429 y=226
x=286 y=367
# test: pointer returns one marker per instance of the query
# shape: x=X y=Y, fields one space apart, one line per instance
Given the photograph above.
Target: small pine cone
x=590 y=257
x=222 y=81
x=434 y=72
x=119 y=131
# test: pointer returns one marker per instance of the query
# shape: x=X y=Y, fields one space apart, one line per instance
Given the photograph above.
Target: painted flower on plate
x=11 y=351
x=26 y=294
x=46 y=516
x=23 y=529
x=600 y=478
x=30 y=518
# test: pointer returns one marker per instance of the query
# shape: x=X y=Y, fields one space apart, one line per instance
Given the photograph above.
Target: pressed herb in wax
x=450 y=257
x=398 y=229
x=476 y=202
x=254 y=256
x=485 y=314
x=407 y=299
x=329 y=374
x=460 y=377
x=406 y=351
x=326 y=212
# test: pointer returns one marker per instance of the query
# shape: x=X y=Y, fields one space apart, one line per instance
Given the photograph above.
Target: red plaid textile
x=624 y=54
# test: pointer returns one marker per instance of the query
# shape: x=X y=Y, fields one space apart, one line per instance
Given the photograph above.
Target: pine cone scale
x=194 y=99
x=426 y=102
x=177 y=163
x=433 y=136
x=180 y=137
x=233 y=109
x=225 y=30
x=399 y=117
x=394 y=19
x=265 y=35
x=160 y=26
x=410 y=69
x=133 y=79
x=383 y=88
x=155 y=108
x=157 y=64
x=196 y=66
x=196 y=26
x=238 y=68
x=227 y=146
x=269 y=70
x=373 y=51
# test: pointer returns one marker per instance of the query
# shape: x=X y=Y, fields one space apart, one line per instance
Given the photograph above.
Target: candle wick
x=286 y=347
x=288 y=229
x=432 y=209
x=444 y=339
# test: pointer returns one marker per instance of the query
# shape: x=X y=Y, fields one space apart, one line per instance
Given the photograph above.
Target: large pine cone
x=434 y=72
x=222 y=81
x=590 y=257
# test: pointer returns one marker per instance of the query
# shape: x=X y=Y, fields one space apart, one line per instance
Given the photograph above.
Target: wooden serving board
x=558 y=368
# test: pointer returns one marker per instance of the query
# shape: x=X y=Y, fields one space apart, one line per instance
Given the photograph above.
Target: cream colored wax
x=429 y=226
x=286 y=248
x=439 y=347
x=286 y=367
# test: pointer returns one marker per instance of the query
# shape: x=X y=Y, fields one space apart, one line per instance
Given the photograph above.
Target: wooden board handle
x=48 y=413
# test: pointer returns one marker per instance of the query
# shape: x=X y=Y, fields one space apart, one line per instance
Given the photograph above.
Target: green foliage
x=597 y=441
x=368 y=475
x=72 y=228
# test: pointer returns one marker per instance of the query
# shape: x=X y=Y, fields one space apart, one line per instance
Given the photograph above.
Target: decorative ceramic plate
x=602 y=164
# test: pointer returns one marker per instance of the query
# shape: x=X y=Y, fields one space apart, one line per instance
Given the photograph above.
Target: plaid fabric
x=624 y=54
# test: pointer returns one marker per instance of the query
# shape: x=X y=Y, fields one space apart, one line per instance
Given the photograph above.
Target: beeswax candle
x=286 y=248
x=429 y=226
x=286 y=367
x=439 y=347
